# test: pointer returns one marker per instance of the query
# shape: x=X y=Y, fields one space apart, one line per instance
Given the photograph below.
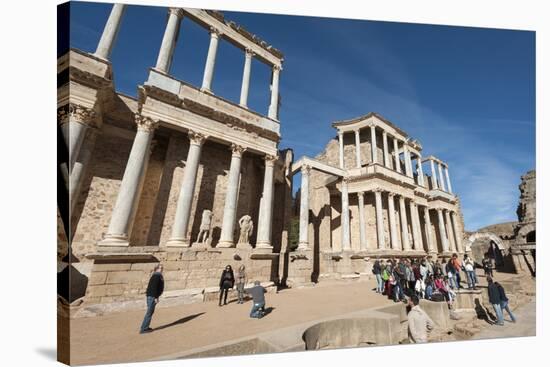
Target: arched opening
x=531 y=236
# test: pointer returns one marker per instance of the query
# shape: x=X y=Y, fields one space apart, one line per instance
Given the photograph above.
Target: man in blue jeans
x=495 y=299
x=154 y=291
x=504 y=302
x=258 y=300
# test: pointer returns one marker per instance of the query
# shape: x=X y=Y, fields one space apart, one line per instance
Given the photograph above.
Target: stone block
x=97 y=278
x=123 y=277
x=111 y=267
x=106 y=290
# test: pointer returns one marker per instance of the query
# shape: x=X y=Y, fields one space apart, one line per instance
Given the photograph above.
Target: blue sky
x=467 y=94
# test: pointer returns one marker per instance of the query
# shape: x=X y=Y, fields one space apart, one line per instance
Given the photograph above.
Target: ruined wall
x=527 y=206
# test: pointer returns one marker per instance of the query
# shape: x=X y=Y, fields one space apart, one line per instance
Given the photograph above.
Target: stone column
x=434 y=176
x=210 y=61
x=441 y=179
x=406 y=246
x=341 y=150
x=346 y=244
x=303 y=241
x=391 y=218
x=396 y=155
x=79 y=168
x=274 y=105
x=442 y=234
x=420 y=171
x=110 y=31
x=357 y=149
x=428 y=229
x=385 y=146
x=246 y=77
x=448 y=179
x=179 y=237
x=164 y=59
x=75 y=120
x=408 y=164
x=266 y=215
x=374 y=149
x=231 y=196
x=450 y=231
x=128 y=195
x=420 y=246
x=414 y=225
x=458 y=238
x=362 y=224
x=379 y=219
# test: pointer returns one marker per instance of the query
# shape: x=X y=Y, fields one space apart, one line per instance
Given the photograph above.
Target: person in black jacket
x=227 y=281
x=154 y=291
x=504 y=302
x=495 y=299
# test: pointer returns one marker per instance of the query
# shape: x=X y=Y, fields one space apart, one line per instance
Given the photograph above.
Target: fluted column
x=442 y=234
x=448 y=180
x=420 y=171
x=374 y=149
x=130 y=187
x=75 y=120
x=266 y=215
x=210 y=61
x=396 y=155
x=404 y=225
x=110 y=31
x=231 y=196
x=346 y=243
x=441 y=179
x=362 y=224
x=379 y=219
x=385 y=146
x=274 y=105
x=414 y=225
x=420 y=246
x=357 y=149
x=246 y=77
x=428 y=229
x=79 y=168
x=434 y=175
x=166 y=53
x=179 y=236
x=458 y=238
x=407 y=156
x=392 y=220
x=450 y=231
x=341 y=148
x=303 y=241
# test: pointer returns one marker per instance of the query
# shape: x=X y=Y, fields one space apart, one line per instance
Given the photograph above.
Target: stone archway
x=526 y=233
x=480 y=243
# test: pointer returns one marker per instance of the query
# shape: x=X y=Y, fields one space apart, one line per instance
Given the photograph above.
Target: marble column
x=392 y=220
x=435 y=186
x=428 y=229
x=405 y=244
x=448 y=179
x=420 y=171
x=231 y=198
x=442 y=234
x=414 y=226
x=374 y=149
x=341 y=149
x=458 y=238
x=75 y=120
x=166 y=53
x=303 y=242
x=452 y=242
x=274 y=105
x=179 y=236
x=265 y=218
x=362 y=223
x=408 y=164
x=396 y=155
x=379 y=219
x=210 y=61
x=118 y=233
x=420 y=246
x=246 y=77
x=441 y=179
x=385 y=146
x=110 y=31
x=79 y=169
x=357 y=149
x=346 y=243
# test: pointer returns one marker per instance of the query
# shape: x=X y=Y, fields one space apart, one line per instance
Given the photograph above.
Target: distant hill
x=503 y=230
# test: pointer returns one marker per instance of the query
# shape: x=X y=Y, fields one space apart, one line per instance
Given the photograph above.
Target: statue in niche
x=205 y=235
x=247 y=226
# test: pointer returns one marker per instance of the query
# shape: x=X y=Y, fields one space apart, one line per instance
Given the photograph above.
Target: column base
x=178 y=242
x=266 y=245
x=302 y=246
x=245 y=246
x=114 y=240
x=206 y=90
x=225 y=244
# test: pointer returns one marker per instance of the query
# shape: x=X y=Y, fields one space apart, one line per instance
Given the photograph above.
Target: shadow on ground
x=180 y=321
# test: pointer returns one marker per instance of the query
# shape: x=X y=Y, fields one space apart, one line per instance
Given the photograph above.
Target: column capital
x=270 y=159
x=145 y=123
x=378 y=189
x=391 y=194
x=237 y=150
x=306 y=169
x=360 y=194
x=176 y=11
x=249 y=52
x=215 y=32
x=72 y=111
x=340 y=133
x=277 y=68
x=196 y=138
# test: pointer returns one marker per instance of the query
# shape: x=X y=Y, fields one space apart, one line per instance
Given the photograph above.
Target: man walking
x=420 y=324
x=154 y=291
x=258 y=300
x=504 y=302
x=496 y=300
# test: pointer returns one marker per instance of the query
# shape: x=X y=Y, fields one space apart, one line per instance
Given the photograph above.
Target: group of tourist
x=228 y=281
x=425 y=278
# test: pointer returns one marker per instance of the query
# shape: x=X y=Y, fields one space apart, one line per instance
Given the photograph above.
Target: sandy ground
x=526 y=324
